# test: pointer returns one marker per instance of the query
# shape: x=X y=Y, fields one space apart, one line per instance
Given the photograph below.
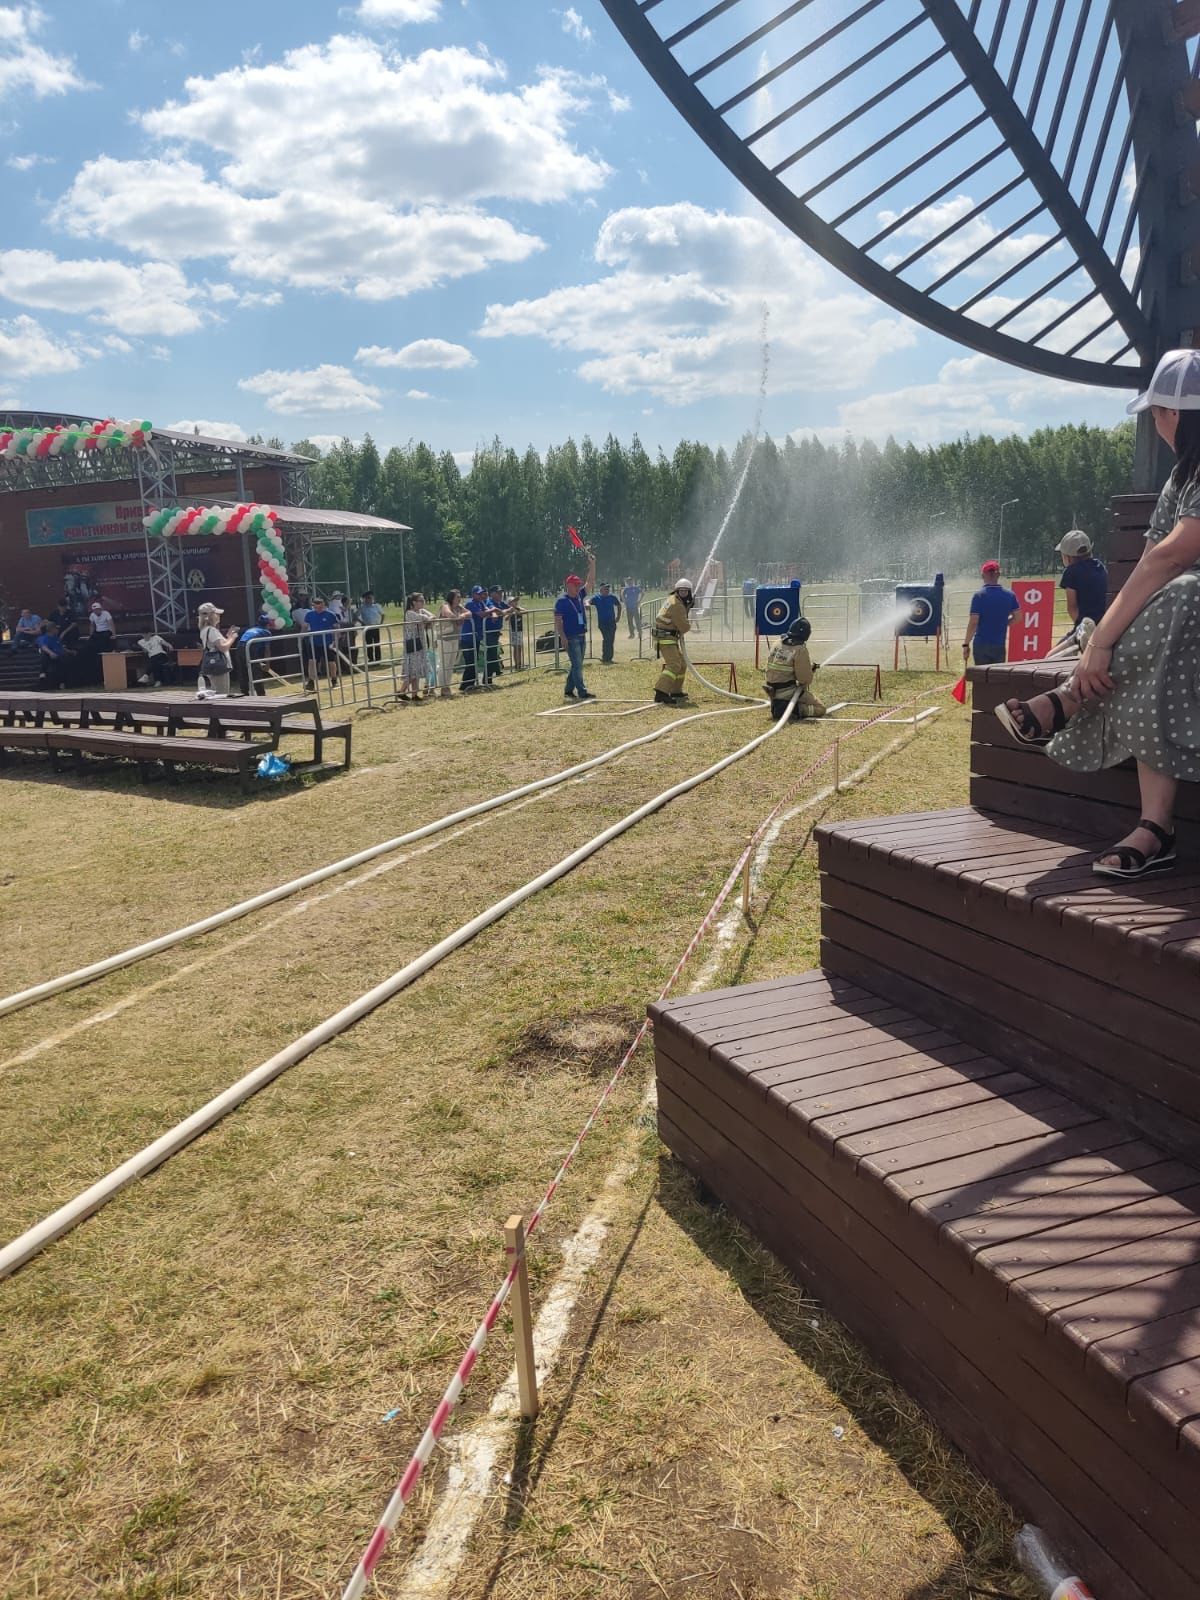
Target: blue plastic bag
x=274 y=766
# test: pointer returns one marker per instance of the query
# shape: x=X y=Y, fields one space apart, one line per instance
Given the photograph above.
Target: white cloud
x=27 y=163
x=26 y=65
x=154 y=298
x=306 y=392
x=420 y=353
x=310 y=240
x=214 y=430
x=138 y=40
x=465 y=460
x=348 y=166
x=115 y=343
x=679 y=316
x=574 y=24
x=395 y=13
x=26 y=348
x=417 y=394
x=330 y=441
x=972 y=394
x=964 y=241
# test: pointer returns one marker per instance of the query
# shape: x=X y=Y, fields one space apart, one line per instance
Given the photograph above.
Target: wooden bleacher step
x=997 y=928
x=1027 y=1265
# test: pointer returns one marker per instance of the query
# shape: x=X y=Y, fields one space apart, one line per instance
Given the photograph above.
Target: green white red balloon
x=176 y=522
x=73 y=438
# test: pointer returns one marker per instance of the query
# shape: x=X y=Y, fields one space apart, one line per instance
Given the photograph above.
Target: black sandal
x=1025 y=727
x=1135 y=863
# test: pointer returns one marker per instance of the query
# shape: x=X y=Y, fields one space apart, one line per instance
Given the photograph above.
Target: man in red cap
x=993 y=609
x=570 y=623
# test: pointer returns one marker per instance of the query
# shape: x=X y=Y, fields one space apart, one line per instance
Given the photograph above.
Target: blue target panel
x=921 y=604
x=776 y=607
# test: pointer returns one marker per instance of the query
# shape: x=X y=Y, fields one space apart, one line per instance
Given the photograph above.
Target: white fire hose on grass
x=75 y=1211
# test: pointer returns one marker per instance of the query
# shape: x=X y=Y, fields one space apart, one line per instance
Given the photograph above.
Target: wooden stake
x=746 y=887
x=514 y=1245
x=837 y=766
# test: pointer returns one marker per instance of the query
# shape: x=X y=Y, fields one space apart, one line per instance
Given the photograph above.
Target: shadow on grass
x=973 y=1512
x=212 y=791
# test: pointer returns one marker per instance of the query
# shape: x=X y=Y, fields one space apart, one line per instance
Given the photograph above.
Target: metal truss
x=1019 y=175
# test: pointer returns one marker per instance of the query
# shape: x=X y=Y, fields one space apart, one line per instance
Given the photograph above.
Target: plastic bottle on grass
x=1038 y=1559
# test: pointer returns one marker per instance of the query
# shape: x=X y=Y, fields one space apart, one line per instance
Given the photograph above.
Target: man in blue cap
x=570 y=624
x=471 y=638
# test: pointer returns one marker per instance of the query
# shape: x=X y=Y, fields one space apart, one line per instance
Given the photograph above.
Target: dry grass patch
x=192 y=1383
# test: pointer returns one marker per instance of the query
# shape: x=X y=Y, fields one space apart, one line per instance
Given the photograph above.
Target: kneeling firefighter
x=790 y=667
x=670 y=625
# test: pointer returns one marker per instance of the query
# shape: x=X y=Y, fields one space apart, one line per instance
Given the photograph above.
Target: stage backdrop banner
x=85 y=524
x=120 y=581
x=1032 y=634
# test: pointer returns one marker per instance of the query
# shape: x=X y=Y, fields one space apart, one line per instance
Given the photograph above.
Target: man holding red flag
x=570 y=622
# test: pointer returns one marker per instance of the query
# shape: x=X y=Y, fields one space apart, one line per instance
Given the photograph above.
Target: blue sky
x=438 y=219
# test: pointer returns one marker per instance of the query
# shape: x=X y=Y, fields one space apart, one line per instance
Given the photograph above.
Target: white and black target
x=776 y=608
x=919 y=609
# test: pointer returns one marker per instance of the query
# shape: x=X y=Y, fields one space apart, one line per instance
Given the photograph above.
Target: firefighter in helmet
x=670 y=625
x=790 y=667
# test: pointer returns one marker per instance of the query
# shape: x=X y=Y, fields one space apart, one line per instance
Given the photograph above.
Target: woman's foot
x=1148 y=849
x=1036 y=721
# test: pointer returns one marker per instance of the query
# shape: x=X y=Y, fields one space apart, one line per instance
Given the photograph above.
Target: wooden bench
x=146 y=749
x=976 y=1133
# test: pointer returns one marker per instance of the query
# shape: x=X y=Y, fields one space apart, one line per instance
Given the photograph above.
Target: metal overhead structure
x=1021 y=176
x=159 y=468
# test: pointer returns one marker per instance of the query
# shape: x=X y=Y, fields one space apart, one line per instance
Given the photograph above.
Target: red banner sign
x=1032 y=634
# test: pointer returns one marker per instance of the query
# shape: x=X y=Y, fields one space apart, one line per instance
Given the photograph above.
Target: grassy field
x=192 y=1383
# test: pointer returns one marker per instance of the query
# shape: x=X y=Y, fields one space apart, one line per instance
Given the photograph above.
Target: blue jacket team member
x=570 y=624
x=992 y=611
x=608 y=613
x=470 y=640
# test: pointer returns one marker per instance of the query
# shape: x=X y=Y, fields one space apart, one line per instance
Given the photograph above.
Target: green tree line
x=834 y=511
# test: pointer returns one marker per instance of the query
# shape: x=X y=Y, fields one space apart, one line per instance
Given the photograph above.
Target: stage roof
x=338 y=524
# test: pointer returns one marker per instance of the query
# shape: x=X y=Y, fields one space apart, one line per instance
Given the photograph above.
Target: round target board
x=776 y=608
x=920 y=612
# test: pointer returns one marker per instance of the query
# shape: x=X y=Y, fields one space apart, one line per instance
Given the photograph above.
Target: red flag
x=959 y=691
x=573 y=535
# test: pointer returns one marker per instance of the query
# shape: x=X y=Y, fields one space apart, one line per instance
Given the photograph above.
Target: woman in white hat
x=1135 y=691
x=217 y=647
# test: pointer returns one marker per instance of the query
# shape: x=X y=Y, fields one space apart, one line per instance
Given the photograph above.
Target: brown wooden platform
x=1028 y=1267
x=976 y=1133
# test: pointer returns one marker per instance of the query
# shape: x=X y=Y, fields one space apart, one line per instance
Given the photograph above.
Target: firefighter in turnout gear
x=789 y=667
x=670 y=625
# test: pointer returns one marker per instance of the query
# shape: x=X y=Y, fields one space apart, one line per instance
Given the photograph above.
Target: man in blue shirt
x=608 y=613
x=631 y=599
x=470 y=640
x=570 y=624
x=992 y=610
x=748 y=588
x=321 y=653
x=1085 y=579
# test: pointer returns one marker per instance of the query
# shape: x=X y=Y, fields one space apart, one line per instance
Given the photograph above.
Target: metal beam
x=1010 y=120
x=634 y=25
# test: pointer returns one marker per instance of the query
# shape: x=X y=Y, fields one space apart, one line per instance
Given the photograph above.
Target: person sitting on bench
x=1133 y=692
x=158 y=651
x=54 y=656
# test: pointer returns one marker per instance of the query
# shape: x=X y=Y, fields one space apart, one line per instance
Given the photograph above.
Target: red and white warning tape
x=445 y=1407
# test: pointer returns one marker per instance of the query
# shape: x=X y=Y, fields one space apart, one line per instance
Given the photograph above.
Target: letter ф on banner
x=1032 y=634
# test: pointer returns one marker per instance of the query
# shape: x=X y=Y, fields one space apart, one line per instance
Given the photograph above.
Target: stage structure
x=73 y=523
x=1020 y=177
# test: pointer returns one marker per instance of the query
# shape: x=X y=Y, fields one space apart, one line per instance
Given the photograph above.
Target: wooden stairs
x=976 y=1134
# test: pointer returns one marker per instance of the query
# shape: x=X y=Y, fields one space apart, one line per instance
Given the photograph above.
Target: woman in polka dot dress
x=1136 y=691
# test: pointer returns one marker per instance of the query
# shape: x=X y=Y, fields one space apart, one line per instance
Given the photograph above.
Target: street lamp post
x=1000 y=547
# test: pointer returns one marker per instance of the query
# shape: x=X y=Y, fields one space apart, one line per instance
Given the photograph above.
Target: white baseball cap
x=1175 y=384
x=1075 y=543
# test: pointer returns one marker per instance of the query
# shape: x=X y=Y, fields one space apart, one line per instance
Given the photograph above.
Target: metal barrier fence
x=355 y=664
